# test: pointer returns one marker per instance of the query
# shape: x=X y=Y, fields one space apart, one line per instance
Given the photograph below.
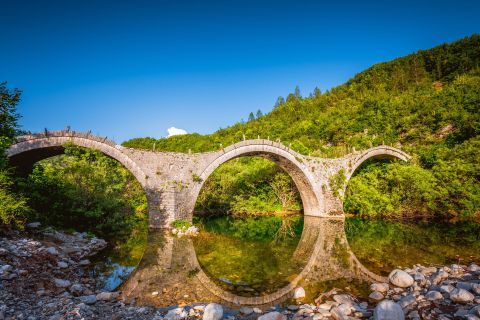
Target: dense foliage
x=426 y=103
x=13 y=207
x=248 y=186
x=86 y=190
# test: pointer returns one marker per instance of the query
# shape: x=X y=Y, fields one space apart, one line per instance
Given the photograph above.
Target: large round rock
x=388 y=310
x=461 y=296
x=213 y=311
x=400 y=278
x=273 y=316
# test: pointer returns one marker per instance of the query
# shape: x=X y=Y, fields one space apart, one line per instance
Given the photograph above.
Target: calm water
x=259 y=257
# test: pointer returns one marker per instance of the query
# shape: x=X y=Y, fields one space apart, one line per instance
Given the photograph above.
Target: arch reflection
x=169 y=273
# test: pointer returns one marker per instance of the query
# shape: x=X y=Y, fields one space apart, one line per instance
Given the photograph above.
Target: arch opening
x=248 y=253
x=311 y=199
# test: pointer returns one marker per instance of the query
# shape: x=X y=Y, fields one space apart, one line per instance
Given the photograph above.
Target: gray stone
x=380 y=287
x=433 y=295
x=213 y=311
x=62 y=265
x=407 y=300
x=461 y=296
x=274 y=315
x=176 y=314
x=377 y=296
x=446 y=288
x=76 y=289
x=61 y=283
x=246 y=310
x=90 y=299
x=33 y=225
x=343 y=298
x=52 y=251
x=84 y=262
x=473 y=268
x=464 y=285
x=298 y=293
x=388 y=310
x=107 y=296
x=400 y=278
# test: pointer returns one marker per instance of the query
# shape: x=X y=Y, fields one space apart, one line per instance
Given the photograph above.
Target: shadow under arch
x=380 y=152
x=287 y=159
x=29 y=149
x=171 y=270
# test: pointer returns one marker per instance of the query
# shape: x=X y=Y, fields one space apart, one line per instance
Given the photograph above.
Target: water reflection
x=170 y=274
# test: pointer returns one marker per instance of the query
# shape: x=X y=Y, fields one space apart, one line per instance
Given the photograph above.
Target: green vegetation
x=426 y=103
x=85 y=189
x=263 y=229
x=180 y=224
x=248 y=186
x=13 y=207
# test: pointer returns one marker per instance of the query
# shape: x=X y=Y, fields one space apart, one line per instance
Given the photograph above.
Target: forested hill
x=417 y=100
x=427 y=103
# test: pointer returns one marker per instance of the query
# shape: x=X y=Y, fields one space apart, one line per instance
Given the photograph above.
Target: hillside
x=426 y=103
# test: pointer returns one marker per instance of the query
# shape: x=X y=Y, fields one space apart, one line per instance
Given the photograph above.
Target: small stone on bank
x=213 y=311
x=400 y=278
x=274 y=315
x=388 y=310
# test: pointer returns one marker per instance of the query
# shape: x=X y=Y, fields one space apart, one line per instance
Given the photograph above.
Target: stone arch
x=290 y=161
x=381 y=152
x=29 y=149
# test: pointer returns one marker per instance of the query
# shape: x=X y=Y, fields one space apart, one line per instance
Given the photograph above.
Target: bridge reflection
x=170 y=274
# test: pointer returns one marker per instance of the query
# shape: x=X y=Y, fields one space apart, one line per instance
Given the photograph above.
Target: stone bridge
x=172 y=181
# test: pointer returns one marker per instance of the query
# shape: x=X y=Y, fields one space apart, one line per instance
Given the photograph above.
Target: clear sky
x=127 y=69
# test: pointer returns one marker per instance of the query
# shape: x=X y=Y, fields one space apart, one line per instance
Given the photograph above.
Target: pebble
x=377 y=296
x=461 y=296
x=274 y=315
x=400 y=278
x=433 y=295
x=299 y=293
x=388 y=310
x=61 y=283
x=213 y=311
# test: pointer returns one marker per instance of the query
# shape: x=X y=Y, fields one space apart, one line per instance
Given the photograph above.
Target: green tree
x=13 y=207
x=251 y=117
x=279 y=102
x=259 y=114
x=9 y=100
x=297 y=93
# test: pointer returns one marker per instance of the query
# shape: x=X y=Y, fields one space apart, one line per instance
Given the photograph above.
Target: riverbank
x=45 y=276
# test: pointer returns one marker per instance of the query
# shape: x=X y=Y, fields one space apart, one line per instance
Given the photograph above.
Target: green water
x=252 y=256
x=384 y=245
x=257 y=256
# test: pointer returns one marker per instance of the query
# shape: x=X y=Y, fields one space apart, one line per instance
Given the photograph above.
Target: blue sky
x=126 y=69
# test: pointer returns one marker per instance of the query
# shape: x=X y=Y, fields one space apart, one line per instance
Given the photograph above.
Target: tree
x=259 y=114
x=316 y=92
x=297 y=92
x=279 y=102
x=8 y=118
x=251 y=117
x=13 y=207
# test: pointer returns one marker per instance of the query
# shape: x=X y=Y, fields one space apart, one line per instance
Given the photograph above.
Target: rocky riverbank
x=46 y=276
